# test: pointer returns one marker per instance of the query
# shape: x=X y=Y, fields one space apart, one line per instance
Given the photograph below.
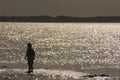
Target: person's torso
x=30 y=54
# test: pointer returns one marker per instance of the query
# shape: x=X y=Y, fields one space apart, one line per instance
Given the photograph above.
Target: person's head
x=29 y=45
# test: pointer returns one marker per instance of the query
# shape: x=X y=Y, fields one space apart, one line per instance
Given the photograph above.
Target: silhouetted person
x=30 y=56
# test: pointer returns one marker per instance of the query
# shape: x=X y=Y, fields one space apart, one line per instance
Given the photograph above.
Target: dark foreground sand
x=46 y=74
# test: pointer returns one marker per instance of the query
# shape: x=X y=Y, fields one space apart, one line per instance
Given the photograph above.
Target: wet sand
x=46 y=74
x=9 y=72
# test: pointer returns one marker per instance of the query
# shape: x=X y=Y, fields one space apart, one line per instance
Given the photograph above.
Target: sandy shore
x=46 y=74
x=43 y=73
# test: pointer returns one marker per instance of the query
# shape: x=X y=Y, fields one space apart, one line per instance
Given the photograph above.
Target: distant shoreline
x=61 y=19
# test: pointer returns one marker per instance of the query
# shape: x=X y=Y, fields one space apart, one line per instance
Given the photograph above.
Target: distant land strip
x=108 y=19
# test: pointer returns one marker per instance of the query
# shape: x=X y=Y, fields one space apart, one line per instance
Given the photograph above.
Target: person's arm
x=33 y=54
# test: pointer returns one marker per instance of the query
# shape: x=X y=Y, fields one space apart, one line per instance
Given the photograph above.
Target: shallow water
x=86 y=46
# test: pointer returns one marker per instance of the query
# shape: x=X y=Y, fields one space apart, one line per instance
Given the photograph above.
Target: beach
x=44 y=74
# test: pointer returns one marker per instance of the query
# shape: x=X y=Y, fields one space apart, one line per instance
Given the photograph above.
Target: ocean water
x=77 y=46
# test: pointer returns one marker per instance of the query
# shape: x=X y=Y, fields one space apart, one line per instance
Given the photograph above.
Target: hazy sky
x=60 y=7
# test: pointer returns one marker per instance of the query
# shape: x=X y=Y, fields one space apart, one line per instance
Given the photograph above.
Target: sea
x=88 y=47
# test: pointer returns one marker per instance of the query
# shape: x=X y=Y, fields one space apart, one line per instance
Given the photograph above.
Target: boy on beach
x=30 y=57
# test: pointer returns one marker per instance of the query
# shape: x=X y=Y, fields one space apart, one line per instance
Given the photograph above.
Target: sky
x=77 y=8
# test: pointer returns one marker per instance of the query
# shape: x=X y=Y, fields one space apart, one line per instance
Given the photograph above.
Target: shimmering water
x=69 y=45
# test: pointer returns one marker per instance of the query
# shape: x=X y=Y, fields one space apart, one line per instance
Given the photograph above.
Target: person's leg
x=31 y=66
